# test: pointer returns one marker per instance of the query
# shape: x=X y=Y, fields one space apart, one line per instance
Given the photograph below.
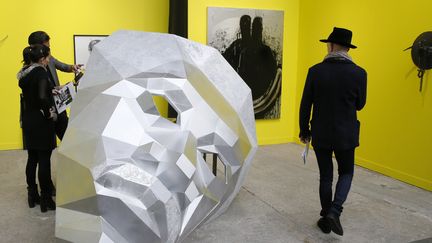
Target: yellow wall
x=396 y=130
x=268 y=131
x=61 y=20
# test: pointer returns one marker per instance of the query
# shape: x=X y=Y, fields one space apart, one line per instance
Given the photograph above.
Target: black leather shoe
x=46 y=203
x=324 y=225
x=335 y=224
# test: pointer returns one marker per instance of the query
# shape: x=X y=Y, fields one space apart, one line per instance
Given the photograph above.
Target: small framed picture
x=83 y=45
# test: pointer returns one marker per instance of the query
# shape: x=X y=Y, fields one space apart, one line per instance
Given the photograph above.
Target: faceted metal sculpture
x=127 y=174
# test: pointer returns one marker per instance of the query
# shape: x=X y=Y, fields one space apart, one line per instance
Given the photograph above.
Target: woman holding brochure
x=38 y=116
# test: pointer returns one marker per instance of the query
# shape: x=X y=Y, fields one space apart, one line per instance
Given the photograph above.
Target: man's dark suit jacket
x=336 y=88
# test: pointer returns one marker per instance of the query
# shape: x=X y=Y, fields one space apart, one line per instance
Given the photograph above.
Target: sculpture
x=127 y=174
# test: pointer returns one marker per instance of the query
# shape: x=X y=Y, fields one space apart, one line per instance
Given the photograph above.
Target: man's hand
x=305 y=136
x=305 y=139
x=76 y=67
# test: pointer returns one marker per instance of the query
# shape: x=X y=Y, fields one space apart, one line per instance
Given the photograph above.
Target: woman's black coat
x=38 y=127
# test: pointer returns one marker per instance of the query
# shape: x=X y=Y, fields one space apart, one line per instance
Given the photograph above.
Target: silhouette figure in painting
x=255 y=62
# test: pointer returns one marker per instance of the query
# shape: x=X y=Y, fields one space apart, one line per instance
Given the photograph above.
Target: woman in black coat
x=38 y=117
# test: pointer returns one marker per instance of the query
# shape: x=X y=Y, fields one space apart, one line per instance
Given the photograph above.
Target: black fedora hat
x=340 y=36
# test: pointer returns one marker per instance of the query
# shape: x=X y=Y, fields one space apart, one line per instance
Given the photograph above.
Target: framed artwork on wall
x=251 y=40
x=83 y=45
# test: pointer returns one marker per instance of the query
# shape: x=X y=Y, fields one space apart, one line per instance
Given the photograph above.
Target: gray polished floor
x=278 y=203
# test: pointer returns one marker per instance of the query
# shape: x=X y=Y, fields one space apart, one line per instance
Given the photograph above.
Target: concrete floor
x=278 y=203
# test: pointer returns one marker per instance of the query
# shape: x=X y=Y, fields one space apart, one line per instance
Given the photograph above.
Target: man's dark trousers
x=345 y=161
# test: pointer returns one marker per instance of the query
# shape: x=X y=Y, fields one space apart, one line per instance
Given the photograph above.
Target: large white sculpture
x=127 y=174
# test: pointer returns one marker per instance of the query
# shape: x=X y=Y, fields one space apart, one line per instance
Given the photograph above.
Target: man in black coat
x=336 y=89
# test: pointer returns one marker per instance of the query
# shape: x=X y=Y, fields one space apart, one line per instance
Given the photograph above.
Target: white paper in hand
x=305 y=152
x=64 y=97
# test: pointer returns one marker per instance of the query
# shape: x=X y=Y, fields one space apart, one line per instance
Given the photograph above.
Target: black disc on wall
x=421 y=51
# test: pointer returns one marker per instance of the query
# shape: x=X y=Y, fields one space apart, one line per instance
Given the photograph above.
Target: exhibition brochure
x=305 y=152
x=64 y=97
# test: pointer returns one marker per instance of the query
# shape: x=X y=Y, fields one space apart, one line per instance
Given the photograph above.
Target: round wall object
x=421 y=51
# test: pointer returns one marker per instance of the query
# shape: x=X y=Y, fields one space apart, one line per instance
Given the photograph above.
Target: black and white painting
x=83 y=45
x=251 y=40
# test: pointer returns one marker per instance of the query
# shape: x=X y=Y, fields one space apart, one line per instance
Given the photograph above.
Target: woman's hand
x=55 y=91
x=53 y=113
